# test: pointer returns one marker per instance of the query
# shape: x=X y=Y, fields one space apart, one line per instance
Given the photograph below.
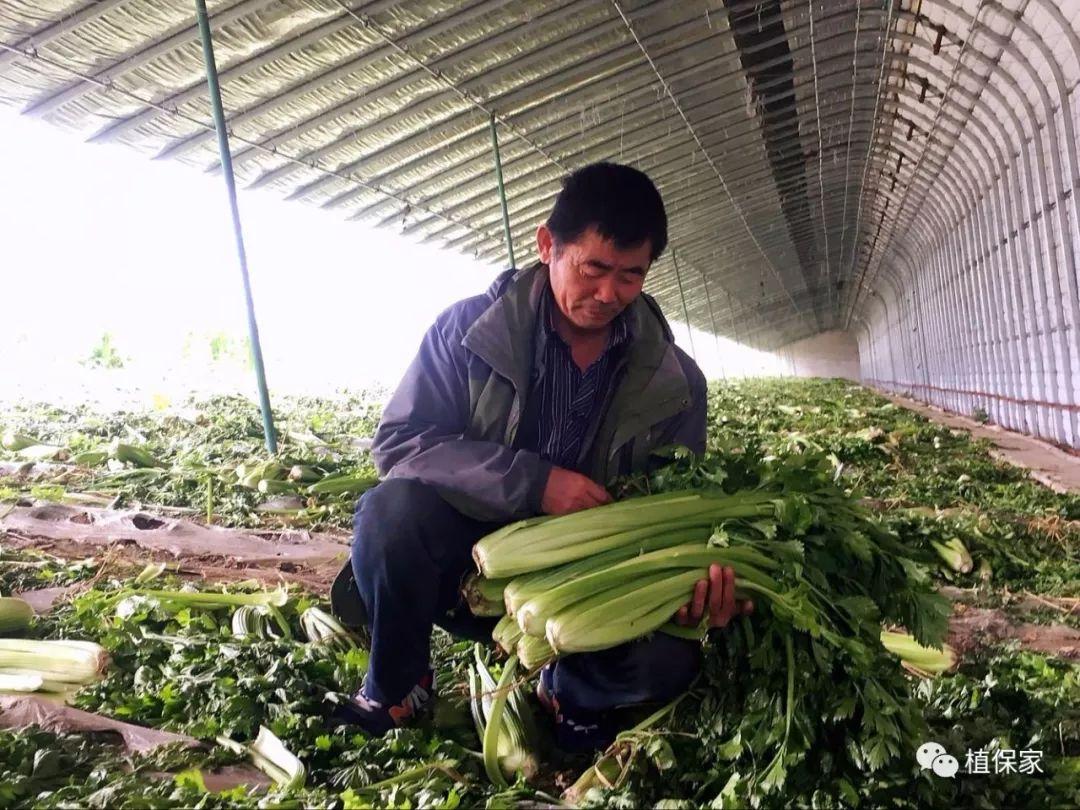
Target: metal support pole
x=731 y=317
x=734 y=323
x=230 y=186
x=502 y=192
x=686 y=312
x=712 y=319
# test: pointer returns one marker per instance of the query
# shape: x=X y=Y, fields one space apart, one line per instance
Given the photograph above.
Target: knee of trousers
x=389 y=521
x=668 y=664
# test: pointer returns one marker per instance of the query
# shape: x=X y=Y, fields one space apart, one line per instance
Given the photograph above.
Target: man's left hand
x=717 y=593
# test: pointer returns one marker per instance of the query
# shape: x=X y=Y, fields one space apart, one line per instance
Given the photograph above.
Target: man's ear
x=545 y=244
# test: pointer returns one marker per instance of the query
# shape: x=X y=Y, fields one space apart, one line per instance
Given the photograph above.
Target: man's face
x=592 y=280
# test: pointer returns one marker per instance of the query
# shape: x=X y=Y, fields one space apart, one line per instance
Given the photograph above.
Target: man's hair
x=619 y=201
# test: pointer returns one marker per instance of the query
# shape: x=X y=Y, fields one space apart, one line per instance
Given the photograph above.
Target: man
x=527 y=400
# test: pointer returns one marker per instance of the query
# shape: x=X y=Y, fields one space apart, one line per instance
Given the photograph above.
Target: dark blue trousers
x=411 y=550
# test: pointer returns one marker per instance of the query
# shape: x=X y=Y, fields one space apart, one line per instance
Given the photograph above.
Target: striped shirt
x=567 y=402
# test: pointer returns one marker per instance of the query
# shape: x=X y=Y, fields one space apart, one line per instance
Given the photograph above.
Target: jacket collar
x=503 y=334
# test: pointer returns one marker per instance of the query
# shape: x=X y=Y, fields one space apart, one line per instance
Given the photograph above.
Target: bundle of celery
x=824 y=577
x=538 y=543
x=596 y=579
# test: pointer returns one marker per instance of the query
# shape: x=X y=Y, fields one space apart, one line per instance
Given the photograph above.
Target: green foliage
x=41 y=769
x=887 y=452
x=186 y=672
x=201 y=444
x=1001 y=699
x=1023 y=554
x=839 y=733
x=30 y=570
x=222 y=347
x=1009 y=699
x=104 y=354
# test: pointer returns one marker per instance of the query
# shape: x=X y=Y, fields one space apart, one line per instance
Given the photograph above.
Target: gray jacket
x=453 y=419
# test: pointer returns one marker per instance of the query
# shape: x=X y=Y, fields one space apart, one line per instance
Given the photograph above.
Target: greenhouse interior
x=631 y=403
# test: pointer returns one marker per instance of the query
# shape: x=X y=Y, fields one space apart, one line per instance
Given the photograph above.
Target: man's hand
x=718 y=591
x=568 y=491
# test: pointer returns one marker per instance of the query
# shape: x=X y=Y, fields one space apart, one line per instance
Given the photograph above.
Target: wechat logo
x=933 y=756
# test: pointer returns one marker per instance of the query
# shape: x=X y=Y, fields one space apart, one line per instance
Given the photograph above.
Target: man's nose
x=605 y=291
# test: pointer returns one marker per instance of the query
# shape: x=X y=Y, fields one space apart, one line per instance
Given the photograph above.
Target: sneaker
x=377 y=719
x=585 y=731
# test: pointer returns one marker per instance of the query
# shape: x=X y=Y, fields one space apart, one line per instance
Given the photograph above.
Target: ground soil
x=131 y=539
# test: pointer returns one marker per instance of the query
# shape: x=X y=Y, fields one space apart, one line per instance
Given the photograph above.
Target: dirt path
x=133 y=538
x=972 y=627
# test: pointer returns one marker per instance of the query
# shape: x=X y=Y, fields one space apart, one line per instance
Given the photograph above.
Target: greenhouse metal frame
x=902 y=171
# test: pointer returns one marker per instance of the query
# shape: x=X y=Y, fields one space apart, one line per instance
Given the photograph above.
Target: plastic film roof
x=802 y=148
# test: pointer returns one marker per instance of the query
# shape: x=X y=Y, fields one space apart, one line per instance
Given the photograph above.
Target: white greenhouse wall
x=830 y=354
x=981 y=311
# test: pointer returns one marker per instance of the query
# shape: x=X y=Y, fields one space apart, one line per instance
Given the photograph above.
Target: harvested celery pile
x=185 y=669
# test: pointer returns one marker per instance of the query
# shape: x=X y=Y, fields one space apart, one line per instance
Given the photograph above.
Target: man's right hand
x=568 y=491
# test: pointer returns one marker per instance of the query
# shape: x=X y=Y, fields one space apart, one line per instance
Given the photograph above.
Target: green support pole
x=230 y=185
x=502 y=192
x=686 y=312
